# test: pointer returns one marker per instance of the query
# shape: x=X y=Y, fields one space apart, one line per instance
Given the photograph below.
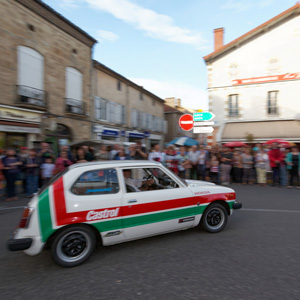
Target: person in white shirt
x=156 y=154
x=47 y=170
x=193 y=156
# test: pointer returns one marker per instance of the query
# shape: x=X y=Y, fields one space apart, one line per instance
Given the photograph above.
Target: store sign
x=21 y=129
x=19 y=115
x=110 y=132
x=136 y=135
x=290 y=76
x=97 y=128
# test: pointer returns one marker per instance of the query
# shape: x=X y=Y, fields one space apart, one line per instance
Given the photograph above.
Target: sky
x=160 y=44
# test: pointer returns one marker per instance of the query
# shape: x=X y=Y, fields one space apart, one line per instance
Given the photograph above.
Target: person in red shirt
x=62 y=162
x=276 y=158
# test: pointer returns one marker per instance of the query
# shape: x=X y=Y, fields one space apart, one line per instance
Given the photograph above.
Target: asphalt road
x=255 y=257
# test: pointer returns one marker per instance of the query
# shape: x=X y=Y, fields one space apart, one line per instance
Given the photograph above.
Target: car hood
x=195 y=183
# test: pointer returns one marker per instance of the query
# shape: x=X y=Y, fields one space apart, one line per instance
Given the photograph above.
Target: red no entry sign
x=186 y=122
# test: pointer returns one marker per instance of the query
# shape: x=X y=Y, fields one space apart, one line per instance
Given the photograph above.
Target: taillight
x=25 y=218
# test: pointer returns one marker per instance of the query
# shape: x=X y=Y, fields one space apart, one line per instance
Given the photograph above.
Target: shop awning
x=262 y=130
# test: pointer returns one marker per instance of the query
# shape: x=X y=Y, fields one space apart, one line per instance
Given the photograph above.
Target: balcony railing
x=27 y=95
x=75 y=106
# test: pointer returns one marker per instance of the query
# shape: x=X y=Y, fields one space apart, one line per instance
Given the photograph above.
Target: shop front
x=19 y=127
x=60 y=135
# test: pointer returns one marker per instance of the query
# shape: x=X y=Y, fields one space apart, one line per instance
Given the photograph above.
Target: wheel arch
x=223 y=203
x=58 y=231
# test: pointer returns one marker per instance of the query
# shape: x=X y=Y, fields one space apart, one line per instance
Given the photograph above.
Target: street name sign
x=203 y=116
x=186 y=122
x=207 y=129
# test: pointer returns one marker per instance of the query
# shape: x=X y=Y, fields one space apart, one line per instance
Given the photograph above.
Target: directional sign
x=203 y=123
x=203 y=116
x=186 y=122
x=208 y=129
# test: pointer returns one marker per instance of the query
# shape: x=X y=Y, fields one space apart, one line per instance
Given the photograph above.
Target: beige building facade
x=125 y=111
x=45 y=76
x=253 y=81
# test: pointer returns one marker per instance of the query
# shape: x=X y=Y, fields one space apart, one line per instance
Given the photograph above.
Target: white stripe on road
x=14 y=207
x=272 y=210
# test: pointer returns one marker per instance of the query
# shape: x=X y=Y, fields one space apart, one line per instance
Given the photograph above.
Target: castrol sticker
x=104 y=214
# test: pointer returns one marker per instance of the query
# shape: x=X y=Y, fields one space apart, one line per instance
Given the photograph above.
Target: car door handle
x=132 y=201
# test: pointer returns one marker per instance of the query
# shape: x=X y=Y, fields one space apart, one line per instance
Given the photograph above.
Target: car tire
x=214 y=218
x=73 y=246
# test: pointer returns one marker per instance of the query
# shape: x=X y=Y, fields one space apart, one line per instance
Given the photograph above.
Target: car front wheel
x=214 y=218
x=73 y=246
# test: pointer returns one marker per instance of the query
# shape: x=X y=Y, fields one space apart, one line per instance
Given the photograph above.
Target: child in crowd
x=214 y=169
x=47 y=170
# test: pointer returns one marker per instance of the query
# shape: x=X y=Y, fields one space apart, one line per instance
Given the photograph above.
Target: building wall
x=274 y=52
x=106 y=88
x=58 y=49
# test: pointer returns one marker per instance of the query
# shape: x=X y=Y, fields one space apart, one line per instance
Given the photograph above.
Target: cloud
x=237 y=6
x=264 y=3
x=155 y=25
x=191 y=97
x=102 y=35
x=70 y=3
x=243 y=5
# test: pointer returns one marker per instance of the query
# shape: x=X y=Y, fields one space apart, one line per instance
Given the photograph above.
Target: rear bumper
x=237 y=205
x=19 y=244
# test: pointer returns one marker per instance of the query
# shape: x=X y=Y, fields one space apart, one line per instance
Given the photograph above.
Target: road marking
x=271 y=210
x=14 y=207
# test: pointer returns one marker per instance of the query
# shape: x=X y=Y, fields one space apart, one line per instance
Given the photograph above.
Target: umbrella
x=184 y=141
x=235 y=144
x=279 y=141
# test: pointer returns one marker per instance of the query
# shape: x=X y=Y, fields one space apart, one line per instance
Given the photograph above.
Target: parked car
x=115 y=202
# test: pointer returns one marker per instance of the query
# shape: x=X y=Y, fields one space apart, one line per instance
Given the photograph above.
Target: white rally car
x=114 y=202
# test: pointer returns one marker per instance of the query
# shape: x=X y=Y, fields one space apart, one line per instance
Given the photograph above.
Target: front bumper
x=19 y=244
x=237 y=205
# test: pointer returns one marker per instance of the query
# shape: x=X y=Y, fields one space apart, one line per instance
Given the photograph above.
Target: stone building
x=253 y=81
x=125 y=111
x=45 y=77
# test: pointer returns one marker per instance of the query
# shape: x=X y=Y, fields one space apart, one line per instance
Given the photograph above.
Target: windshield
x=53 y=179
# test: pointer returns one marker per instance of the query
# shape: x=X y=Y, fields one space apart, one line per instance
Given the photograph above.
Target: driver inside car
x=137 y=185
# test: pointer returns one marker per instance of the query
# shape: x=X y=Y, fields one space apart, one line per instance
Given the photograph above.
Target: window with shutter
x=74 y=101
x=31 y=77
x=123 y=114
x=103 y=110
x=112 y=112
x=97 y=107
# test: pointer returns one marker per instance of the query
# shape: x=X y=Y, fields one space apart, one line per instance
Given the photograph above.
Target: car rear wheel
x=214 y=218
x=73 y=246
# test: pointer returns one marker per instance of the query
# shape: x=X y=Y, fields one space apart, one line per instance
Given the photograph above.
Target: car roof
x=117 y=163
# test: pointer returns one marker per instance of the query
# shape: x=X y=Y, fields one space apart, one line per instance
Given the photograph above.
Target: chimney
x=218 y=35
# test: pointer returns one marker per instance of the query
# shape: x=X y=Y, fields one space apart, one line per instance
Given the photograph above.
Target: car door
x=151 y=212
x=94 y=196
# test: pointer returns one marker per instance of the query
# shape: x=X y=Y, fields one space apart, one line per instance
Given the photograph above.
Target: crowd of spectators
x=261 y=164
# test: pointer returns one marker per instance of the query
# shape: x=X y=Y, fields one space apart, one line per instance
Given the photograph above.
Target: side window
x=97 y=182
x=148 y=179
